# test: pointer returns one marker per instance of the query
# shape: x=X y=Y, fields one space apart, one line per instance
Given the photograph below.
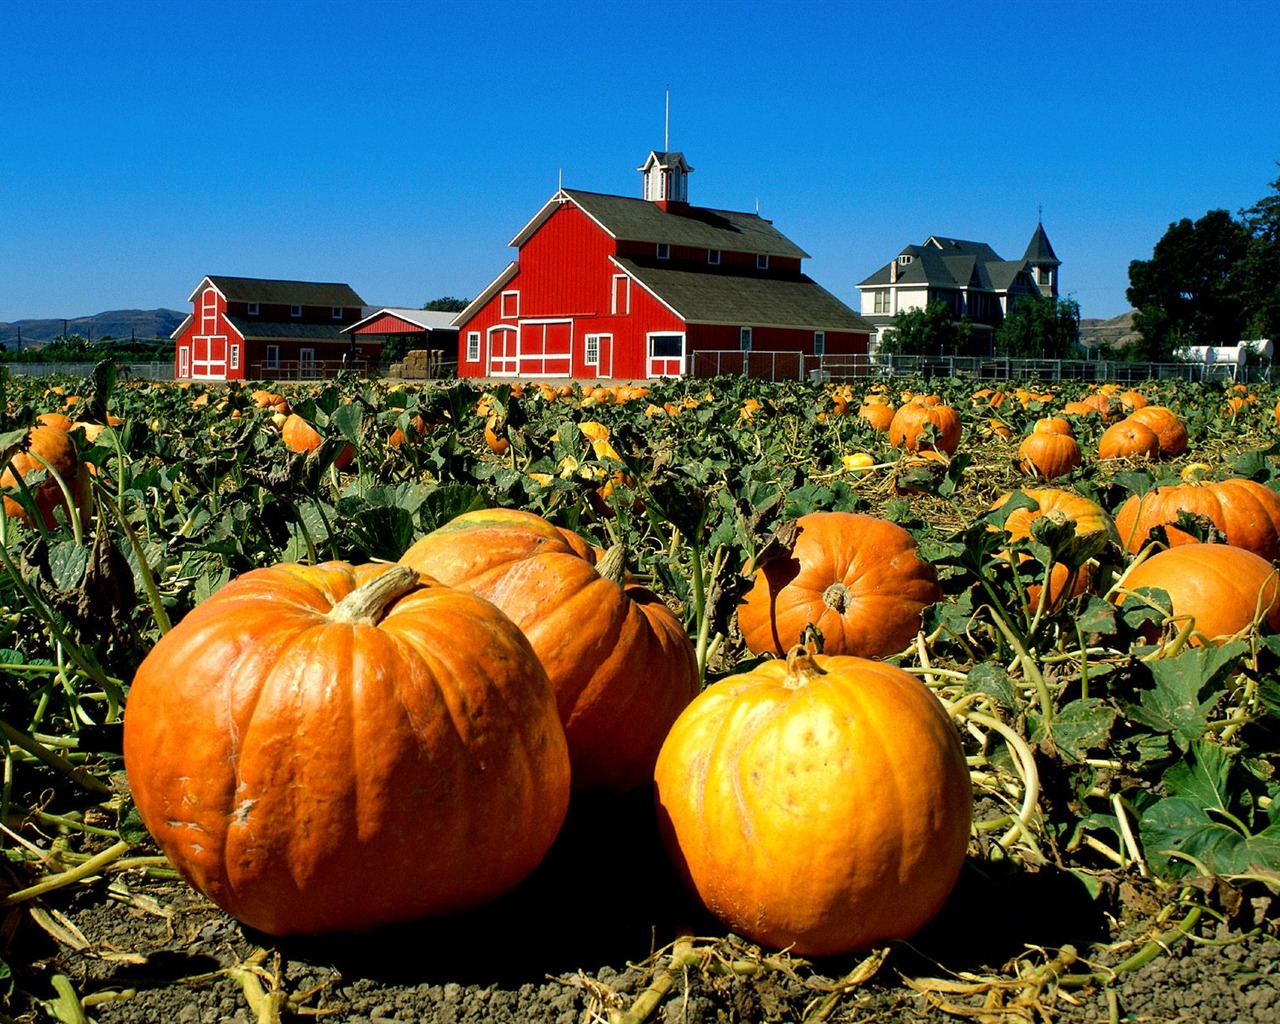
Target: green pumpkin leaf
x=990 y=678
x=1186 y=690
x=1082 y=726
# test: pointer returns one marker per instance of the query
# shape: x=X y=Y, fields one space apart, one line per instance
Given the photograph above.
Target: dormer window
x=252 y=309
x=295 y=311
x=664 y=251
x=762 y=262
x=905 y=260
x=337 y=312
x=713 y=257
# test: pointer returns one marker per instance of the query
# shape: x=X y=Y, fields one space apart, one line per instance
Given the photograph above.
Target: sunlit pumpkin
x=910 y=426
x=333 y=747
x=47 y=448
x=1167 y=427
x=1225 y=589
x=1247 y=513
x=1048 y=455
x=1128 y=439
x=300 y=436
x=820 y=804
x=878 y=414
x=857 y=578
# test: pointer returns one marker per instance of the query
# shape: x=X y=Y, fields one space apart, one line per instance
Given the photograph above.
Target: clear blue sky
x=399 y=147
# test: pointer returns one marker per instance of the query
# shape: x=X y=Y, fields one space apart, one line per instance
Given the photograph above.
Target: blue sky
x=398 y=147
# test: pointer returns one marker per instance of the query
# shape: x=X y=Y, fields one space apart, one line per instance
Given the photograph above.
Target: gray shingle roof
x=638 y=220
x=301 y=293
x=1039 y=250
x=716 y=297
x=287 y=331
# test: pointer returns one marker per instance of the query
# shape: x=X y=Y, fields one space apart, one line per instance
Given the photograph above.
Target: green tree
x=1262 y=266
x=447 y=304
x=1193 y=289
x=1040 y=327
x=930 y=331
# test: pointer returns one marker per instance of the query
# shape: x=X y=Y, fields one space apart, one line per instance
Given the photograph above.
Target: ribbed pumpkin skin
x=1247 y=512
x=828 y=816
x=620 y=662
x=1048 y=455
x=1060 y=506
x=314 y=776
x=57 y=448
x=300 y=436
x=907 y=427
x=1167 y=427
x=857 y=578
x=877 y=414
x=1128 y=439
x=1220 y=585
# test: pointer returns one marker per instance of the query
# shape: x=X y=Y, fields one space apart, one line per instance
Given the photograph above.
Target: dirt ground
x=586 y=939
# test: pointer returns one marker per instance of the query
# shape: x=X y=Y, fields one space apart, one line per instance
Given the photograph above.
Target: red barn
x=610 y=286
x=246 y=328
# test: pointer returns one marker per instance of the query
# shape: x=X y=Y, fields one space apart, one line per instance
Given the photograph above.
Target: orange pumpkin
x=1167 y=426
x=1093 y=528
x=878 y=414
x=1131 y=400
x=1052 y=425
x=620 y=662
x=300 y=436
x=857 y=578
x=1048 y=455
x=910 y=424
x=818 y=803
x=1128 y=439
x=1247 y=513
x=261 y=399
x=307 y=727
x=1223 y=588
x=52 y=446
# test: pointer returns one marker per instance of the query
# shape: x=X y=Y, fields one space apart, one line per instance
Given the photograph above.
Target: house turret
x=1042 y=263
x=666 y=178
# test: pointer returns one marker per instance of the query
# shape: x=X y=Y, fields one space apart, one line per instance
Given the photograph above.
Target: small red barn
x=610 y=286
x=246 y=328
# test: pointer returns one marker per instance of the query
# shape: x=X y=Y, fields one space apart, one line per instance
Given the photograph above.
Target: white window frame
x=880 y=302
x=591 y=349
x=272 y=361
x=621 y=302
x=663 y=251
x=251 y=308
x=762 y=261
x=337 y=312
x=819 y=343
x=744 y=339
x=295 y=310
x=184 y=361
x=905 y=260
x=509 y=305
x=235 y=357
x=306 y=363
x=473 y=346
x=713 y=257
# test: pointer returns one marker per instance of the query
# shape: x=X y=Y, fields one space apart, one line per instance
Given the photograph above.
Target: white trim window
x=882 y=300
x=762 y=261
x=235 y=357
x=306 y=363
x=510 y=305
x=819 y=343
x=251 y=309
x=744 y=339
x=664 y=251
x=295 y=310
x=713 y=257
x=591 y=350
x=473 y=346
x=273 y=357
x=337 y=313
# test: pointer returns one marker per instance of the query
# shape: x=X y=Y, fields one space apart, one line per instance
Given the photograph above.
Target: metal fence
x=798 y=366
x=130 y=371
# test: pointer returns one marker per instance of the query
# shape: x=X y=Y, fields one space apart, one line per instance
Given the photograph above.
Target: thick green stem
x=158 y=611
x=88 y=869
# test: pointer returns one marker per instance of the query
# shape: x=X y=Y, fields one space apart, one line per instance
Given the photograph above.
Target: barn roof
x=424 y=319
x=273 y=330
x=715 y=297
x=639 y=220
x=274 y=292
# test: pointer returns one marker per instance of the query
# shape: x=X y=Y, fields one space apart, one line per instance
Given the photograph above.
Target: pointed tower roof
x=1039 y=251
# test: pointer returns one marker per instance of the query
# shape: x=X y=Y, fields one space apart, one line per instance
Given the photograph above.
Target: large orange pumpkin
x=1247 y=512
x=818 y=803
x=878 y=414
x=1223 y=588
x=857 y=578
x=336 y=747
x=910 y=424
x=1048 y=455
x=52 y=446
x=1128 y=439
x=1167 y=427
x=620 y=662
x=300 y=436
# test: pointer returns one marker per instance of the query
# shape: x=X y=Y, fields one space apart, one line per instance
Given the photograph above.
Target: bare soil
x=589 y=934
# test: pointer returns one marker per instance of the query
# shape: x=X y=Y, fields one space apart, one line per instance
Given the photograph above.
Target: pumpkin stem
x=836 y=597
x=367 y=604
x=613 y=566
x=801 y=667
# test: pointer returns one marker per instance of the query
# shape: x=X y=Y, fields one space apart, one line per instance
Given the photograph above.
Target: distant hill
x=120 y=324
x=1116 y=332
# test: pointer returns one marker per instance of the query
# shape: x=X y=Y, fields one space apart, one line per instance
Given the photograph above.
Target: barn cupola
x=666 y=179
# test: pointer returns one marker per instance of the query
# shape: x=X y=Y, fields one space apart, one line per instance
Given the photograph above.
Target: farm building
x=246 y=328
x=968 y=277
x=430 y=331
x=611 y=286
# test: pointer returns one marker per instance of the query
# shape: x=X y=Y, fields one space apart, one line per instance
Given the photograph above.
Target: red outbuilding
x=247 y=328
x=611 y=286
